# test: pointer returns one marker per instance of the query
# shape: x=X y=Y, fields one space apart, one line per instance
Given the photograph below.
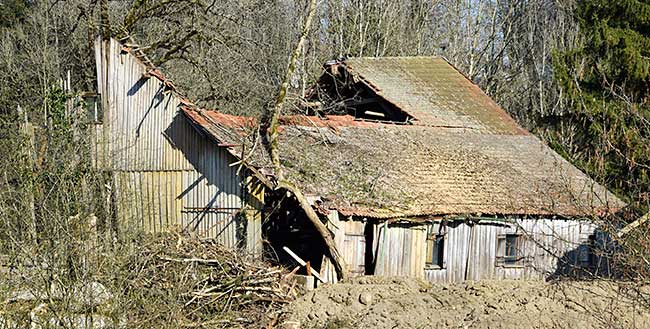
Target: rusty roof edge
x=185 y=109
x=373 y=214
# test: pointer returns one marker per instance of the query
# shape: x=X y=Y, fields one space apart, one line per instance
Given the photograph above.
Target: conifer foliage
x=606 y=80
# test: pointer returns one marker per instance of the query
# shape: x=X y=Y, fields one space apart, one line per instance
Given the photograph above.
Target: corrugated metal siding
x=139 y=115
x=166 y=173
x=206 y=204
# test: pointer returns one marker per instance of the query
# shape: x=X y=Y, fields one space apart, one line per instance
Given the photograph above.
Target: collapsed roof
x=448 y=149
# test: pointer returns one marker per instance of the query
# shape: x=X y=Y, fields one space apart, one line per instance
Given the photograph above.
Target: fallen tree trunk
x=272 y=133
x=335 y=255
x=631 y=226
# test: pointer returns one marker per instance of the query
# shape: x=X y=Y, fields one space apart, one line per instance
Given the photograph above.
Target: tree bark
x=104 y=17
x=282 y=183
x=337 y=259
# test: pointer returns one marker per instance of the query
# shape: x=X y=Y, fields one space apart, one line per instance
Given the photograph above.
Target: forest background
x=574 y=72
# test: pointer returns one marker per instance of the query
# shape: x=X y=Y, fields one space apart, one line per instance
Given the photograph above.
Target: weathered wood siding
x=166 y=173
x=400 y=250
x=349 y=237
x=470 y=251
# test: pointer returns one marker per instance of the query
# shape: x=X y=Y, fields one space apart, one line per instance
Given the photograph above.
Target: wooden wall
x=166 y=174
x=470 y=250
x=350 y=238
x=399 y=250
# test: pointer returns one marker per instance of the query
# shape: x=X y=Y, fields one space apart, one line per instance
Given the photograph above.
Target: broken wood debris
x=300 y=261
x=209 y=277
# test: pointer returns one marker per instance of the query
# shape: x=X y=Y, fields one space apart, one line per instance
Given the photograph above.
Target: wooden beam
x=303 y=263
x=631 y=226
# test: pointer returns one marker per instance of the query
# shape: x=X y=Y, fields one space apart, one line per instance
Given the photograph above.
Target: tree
x=272 y=136
x=606 y=81
x=12 y=12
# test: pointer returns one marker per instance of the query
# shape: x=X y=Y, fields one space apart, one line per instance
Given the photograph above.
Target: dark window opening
x=435 y=256
x=338 y=93
x=92 y=104
x=435 y=250
x=510 y=250
x=586 y=252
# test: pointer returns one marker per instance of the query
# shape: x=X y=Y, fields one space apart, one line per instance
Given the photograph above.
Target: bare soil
x=377 y=302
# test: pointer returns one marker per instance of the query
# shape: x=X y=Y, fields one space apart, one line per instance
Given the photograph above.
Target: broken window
x=435 y=247
x=586 y=254
x=93 y=107
x=510 y=250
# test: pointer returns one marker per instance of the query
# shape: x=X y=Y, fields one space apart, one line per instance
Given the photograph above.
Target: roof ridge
x=134 y=49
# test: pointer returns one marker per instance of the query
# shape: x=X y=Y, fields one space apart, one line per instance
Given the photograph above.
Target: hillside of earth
x=384 y=302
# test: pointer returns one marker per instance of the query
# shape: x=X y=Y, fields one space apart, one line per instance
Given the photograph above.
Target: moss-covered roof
x=462 y=154
x=385 y=171
x=433 y=92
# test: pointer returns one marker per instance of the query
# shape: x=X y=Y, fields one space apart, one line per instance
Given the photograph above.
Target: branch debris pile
x=205 y=284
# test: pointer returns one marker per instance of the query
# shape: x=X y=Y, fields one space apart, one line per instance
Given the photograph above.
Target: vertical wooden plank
x=254 y=218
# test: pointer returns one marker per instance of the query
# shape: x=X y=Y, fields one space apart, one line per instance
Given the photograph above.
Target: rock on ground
x=378 y=302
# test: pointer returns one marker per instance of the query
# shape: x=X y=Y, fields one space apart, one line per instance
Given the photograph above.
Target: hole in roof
x=336 y=93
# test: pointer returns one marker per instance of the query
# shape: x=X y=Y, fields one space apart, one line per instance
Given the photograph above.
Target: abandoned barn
x=412 y=167
x=162 y=170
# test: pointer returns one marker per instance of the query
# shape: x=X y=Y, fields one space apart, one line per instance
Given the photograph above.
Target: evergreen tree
x=606 y=80
x=12 y=12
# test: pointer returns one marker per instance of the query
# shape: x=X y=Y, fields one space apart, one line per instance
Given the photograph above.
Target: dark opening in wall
x=92 y=103
x=286 y=225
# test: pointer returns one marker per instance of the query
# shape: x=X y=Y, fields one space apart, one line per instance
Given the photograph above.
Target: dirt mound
x=375 y=302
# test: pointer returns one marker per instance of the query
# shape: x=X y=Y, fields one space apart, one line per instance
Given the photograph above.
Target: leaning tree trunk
x=104 y=20
x=282 y=183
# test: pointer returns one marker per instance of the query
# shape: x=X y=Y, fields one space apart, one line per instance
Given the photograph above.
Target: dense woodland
x=574 y=72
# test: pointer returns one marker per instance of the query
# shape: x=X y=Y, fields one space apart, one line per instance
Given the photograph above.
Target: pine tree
x=12 y=12
x=606 y=79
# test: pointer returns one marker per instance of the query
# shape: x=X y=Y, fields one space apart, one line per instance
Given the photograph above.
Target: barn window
x=586 y=252
x=510 y=249
x=435 y=247
x=93 y=107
